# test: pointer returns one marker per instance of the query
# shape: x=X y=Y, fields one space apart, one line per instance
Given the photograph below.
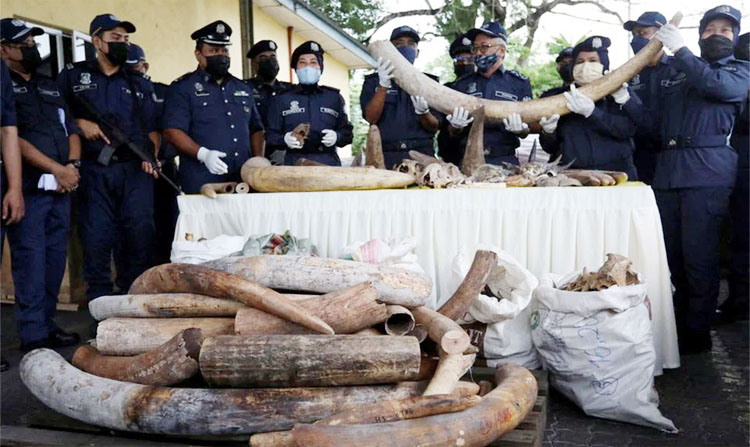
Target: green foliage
x=358 y=17
x=441 y=67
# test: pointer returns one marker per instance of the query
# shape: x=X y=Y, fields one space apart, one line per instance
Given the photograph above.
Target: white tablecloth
x=556 y=230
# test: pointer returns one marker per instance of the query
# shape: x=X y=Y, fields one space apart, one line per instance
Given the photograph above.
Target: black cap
x=135 y=55
x=722 y=12
x=492 y=29
x=405 y=30
x=648 y=18
x=566 y=52
x=106 y=22
x=462 y=44
x=262 y=47
x=15 y=31
x=595 y=43
x=215 y=33
x=309 y=47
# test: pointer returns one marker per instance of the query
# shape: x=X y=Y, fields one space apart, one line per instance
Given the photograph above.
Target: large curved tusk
x=471 y=286
x=445 y=99
x=188 y=411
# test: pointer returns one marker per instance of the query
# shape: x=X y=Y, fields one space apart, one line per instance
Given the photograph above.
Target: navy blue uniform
x=695 y=172
x=601 y=141
x=217 y=117
x=165 y=197
x=647 y=85
x=552 y=92
x=7 y=119
x=320 y=106
x=450 y=148
x=399 y=124
x=263 y=95
x=38 y=242
x=504 y=85
x=116 y=201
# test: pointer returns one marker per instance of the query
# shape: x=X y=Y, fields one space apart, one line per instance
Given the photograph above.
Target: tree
x=358 y=17
x=356 y=79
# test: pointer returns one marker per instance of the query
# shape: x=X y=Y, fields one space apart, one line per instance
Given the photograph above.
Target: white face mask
x=587 y=72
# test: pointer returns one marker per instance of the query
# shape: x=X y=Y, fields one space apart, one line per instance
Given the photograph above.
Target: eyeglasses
x=465 y=59
x=482 y=48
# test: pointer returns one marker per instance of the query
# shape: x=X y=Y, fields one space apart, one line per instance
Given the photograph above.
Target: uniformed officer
x=320 y=106
x=405 y=121
x=165 y=197
x=596 y=135
x=265 y=67
x=51 y=150
x=451 y=148
x=492 y=81
x=209 y=115
x=564 y=62
x=647 y=85
x=696 y=168
x=736 y=306
x=116 y=192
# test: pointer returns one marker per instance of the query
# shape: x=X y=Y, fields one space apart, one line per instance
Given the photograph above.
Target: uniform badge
x=85 y=78
x=198 y=87
x=596 y=43
x=113 y=18
x=723 y=9
x=17 y=22
x=246 y=109
x=472 y=87
x=271 y=45
x=636 y=80
x=329 y=111
x=314 y=46
x=220 y=28
x=506 y=96
x=294 y=108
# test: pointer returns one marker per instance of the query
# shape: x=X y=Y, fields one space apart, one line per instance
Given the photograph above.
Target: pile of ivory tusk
x=347 y=355
x=212 y=190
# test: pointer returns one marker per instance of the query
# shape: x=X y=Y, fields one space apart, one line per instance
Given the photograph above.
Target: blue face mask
x=308 y=75
x=638 y=43
x=408 y=52
x=484 y=63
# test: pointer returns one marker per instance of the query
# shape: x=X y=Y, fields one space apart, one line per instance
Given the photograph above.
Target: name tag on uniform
x=505 y=95
x=20 y=90
x=391 y=91
x=241 y=93
x=82 y=87
x=729 y=68
x=294 y=108
x=54 y=93
x=329 y=111
x=127 y=90
x=477 y=94
x=679 y=79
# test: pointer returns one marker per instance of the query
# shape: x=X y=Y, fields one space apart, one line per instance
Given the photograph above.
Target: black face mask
x=464 y=69
x=118 y=52
x=31 y=59
x=566 y=73
x=715 y=47
x=268 y=69
x=217 y=66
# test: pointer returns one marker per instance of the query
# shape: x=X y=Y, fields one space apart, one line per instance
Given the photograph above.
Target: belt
x=407 y=145
x=680 y=142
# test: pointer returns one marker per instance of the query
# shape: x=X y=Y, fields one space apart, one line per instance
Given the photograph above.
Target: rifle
x=118 y=139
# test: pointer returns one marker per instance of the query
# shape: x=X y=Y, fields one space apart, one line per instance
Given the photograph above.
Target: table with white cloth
x=549 y=230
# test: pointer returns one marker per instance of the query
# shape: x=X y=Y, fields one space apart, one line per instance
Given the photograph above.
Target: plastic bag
x=599 y=350
x=395 y=252
x=196 y=252
x=276 y=244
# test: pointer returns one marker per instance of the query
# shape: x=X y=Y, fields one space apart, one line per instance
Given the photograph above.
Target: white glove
x=671 y=37
x=578 y=102
x=549 y=125
x=420 y=105
x=513 y=123
x=212 y=161
x=622 y=95
x=385 y=72
x=329 y=137
x=292 y=142
x=459 y=118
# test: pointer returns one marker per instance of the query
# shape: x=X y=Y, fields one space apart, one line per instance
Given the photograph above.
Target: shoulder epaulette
x=518 y=74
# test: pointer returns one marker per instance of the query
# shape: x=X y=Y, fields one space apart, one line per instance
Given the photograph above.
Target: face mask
x=566 y=73
x=118 y=52
x=218 y=65
x=484 y=63
x=638 y=43
x=464 y=69
x=268 y=69
x=31 y=59
x=587 y=72
x=408 y=52
x=715 y=47
x=308 y=75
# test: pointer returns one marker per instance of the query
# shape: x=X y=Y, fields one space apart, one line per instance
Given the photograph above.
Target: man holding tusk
x=696 y=168
x=451 y=148
x=405 y=121
x=492 y=81
x=596 y=135
x=646 y=85
x=308 y=102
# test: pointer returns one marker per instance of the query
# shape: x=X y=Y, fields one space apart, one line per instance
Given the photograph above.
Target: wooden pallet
x=530 y=432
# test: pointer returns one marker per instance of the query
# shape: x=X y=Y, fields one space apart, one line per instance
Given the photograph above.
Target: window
x=58 y=48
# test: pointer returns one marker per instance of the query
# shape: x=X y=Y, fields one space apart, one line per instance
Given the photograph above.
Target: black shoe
x=60 y=339
x=4 y=365
x=695 y=342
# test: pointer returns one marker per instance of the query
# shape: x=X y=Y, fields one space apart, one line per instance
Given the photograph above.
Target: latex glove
x=459 y=118
x=622 y=95
x=292 y=142
x=420 y=105
x=513 y=123
x=549 y=125
x=671 y=37
x=578 y=102
x=212 y=161
x=329 y=137
x=385 y=72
